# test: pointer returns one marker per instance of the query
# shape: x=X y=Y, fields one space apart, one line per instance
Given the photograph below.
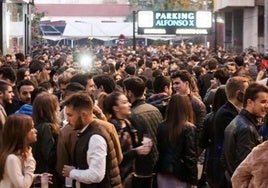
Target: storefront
x=243 y=24
x=15 y=26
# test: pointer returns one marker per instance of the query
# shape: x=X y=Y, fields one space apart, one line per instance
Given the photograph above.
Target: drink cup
x=68 y=182
x=146 y=140
x=44 y=181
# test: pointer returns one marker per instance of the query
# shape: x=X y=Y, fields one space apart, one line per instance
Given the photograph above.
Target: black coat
x=179 y=160
x=45 y=152
x=222 y=119
x=204 y=83
x=240 y=137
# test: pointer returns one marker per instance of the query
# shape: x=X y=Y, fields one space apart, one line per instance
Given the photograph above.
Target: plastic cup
x=146 y=140
x=68 y=182
x=44 y=181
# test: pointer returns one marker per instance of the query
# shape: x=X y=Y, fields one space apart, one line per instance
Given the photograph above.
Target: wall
x=250 y=27
x=221 y=4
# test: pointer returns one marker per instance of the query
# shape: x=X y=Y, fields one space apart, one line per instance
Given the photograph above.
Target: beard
x=79 y=124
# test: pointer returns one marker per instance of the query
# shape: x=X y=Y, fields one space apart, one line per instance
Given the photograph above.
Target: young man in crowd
x=95 y=161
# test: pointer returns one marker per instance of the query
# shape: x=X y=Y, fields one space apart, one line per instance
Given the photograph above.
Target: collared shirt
x=236 y=107
x=96 y=160
x=3 y=115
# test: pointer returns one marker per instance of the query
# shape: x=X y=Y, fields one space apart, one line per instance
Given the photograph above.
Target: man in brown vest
x=95 y=162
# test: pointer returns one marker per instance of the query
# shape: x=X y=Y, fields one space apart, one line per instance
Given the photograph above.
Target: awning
x=102 y=31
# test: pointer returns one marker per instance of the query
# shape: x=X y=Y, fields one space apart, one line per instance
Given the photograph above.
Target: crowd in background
x=159 y=112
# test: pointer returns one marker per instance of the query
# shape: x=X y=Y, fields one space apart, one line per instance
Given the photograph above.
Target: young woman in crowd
x=17 y=164
x=118 y=106
x=46 y=118
x=183 y=83
x=23 y=73
x=176 y=142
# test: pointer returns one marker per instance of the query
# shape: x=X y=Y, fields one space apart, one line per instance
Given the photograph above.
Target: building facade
x=15 y=26
x=80 y=1
x=243 y=24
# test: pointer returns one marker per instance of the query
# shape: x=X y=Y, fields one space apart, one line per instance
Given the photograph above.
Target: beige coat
x=3 y=117
x=253 y=171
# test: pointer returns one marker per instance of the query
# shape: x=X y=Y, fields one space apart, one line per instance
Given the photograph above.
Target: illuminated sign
x=174 y=19
x=174 y=22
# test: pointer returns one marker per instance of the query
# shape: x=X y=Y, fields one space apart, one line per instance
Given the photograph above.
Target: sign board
x=174 y=22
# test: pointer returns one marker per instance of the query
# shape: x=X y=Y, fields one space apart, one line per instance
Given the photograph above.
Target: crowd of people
x=114 y=117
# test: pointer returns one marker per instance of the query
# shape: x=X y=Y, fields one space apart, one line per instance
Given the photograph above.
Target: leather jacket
x=240 y=137
x=179 y=160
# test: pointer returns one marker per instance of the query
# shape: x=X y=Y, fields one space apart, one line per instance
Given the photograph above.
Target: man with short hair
x=235 y=88
x=155 y=63
x=63 y=79
x=252 y=67
x=8 y=74
x=204 y=80
x=104 y=83
x=20 y=58
x=220 y=78
x=162 y=91
x=6 y=96
x=147 y=71
x=36 y=67
x=86 y=80
x=25 y=89
x=145 y=118
x=241 y=135
x=95 y=162
x=9 y=60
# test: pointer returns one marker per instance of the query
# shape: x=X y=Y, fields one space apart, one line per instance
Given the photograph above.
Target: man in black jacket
x=241 y=135
x=162 y=93
x=204 y=80
x=145 y=118
x=235 y=87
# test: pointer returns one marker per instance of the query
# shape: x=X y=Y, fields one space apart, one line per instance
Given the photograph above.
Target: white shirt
x=18 y=175
x=96 y=160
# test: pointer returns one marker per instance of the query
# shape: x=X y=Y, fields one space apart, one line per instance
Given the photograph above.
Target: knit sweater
x=18 y=174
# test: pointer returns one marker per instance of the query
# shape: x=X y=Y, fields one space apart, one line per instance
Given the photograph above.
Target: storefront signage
x=174 y=22
x=174 y=19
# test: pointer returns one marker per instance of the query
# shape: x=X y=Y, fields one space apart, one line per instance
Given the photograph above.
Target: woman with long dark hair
x=176 y=139
x=46 y=118
x=23 y=74
x=17 y=164
x=117 y=105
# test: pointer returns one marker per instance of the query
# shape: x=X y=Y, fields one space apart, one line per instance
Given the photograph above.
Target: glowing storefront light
x=203 y=19
x=154 y=31
x=174 y=22
x=146 y=19
x=191 y=31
